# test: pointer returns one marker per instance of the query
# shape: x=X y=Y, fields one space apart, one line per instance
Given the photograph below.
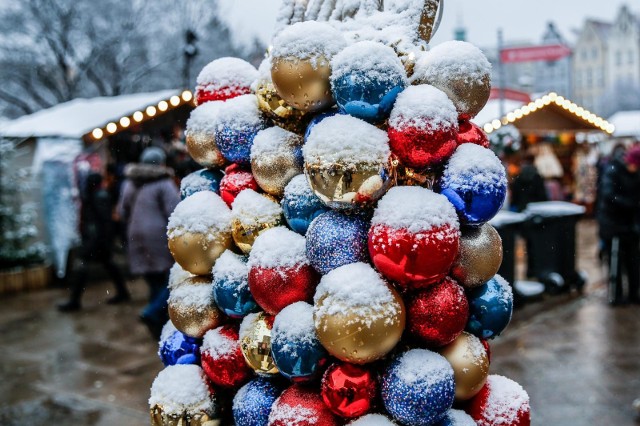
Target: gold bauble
x=160 y=418
x=244 y=235
x=470 y=363
x=203 y=149
x=345 y=186
x=352 y=338
x=468 y=95
x=278 y=111
x=479 y=256
x=194 y=320
x=274 y=169
x=255 y=343
x=303 y=83
x=196 y=253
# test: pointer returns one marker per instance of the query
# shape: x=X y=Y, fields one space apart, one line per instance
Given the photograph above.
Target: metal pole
x=501 y=77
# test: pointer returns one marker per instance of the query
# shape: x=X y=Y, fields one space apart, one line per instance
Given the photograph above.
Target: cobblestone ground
x=578 y=358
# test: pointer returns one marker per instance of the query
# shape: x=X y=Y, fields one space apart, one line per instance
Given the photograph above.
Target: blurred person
x=619 y=227
x=148 y=198
x=96 y=233
x=528 y=185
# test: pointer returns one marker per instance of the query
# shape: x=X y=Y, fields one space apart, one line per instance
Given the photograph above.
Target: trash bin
x=507 y=224
x=550 y=232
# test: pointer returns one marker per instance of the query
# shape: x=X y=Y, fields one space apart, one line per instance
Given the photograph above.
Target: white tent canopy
x=78 y=117
x=627 y=123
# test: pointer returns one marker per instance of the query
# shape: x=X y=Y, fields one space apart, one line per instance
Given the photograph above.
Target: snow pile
x=204 y=119
x=474 y=168
x=308 y=40
x=226 y=75
x=219 y=345
x=296 y=415
x=253 y=209
x=192 y=295
x=358 y=289
x=181 y=388
x=297 y=188
x=346 y=139
x=293 y=328
x=452 y=61
x=425 y=108
x=278 y=247
x=459 y=418
x=246 y=325
x=422 y=367
x=177 y=276
x=167 y=331
x=368 y=61
x=196 y=182
x=372 y=420
x=273 y=141
x=264 y=70
x=505 y=401
x=202 y=213
x=506 y=293
x=416 y=209
x=240 y=113
x=554 y=209
x=231 y=268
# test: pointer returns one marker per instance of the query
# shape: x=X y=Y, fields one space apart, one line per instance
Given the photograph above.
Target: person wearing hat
x=96 y=233
x=148 y=198
x=619 y=224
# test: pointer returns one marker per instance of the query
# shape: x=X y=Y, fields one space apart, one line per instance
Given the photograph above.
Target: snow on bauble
x=231 y=285
x=414 y=236
x=276 y=157
x=460 y=70
x=222 y=359
x=500 y=402
x=354 y=300
x=200 y=135
x=238 y=122
x=191 y=307
x=300 y=64
x=223 y=79
x=252 y=214
x=180 y=390
x=300 y=205
x=199 y=230
x=300 y=406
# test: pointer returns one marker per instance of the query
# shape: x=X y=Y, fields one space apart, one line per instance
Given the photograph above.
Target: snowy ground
x=578 y=358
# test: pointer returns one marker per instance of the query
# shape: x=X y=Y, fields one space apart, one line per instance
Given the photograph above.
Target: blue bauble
x=335 y=239
x=178 y=348
x=231 y=285
x=300 y=205
x=235 y=144
x=475 y=182
x=490 y=308
x=370 y=99
x=317 y=119
x=201 y=180
x=418 y=388
x=252 y=403
x=456 y=418
x=295 y=348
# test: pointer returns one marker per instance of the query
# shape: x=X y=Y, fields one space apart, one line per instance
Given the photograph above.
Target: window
x=594 y=53
x=589 y=77
x=618 y=57
x=584 y=54
x=630 y=57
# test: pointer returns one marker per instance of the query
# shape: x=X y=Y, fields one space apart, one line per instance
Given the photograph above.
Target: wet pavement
x=578 y=358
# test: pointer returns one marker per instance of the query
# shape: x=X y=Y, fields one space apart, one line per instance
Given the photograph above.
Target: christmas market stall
x=51 y=150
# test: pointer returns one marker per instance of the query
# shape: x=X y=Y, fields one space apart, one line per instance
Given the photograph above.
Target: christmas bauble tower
x=334 y=264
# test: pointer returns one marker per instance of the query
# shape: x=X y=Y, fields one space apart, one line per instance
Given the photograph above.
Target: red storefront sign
x=551 y=52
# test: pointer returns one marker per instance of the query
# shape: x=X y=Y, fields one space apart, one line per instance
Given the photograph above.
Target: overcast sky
x=520 y=20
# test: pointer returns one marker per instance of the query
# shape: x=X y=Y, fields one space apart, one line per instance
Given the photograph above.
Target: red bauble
x=235 y=180
x=222 y=359
x=438 y=314
x=276 y=288
x=501 y=401
x=220 y=94
x=349 y=390
x=485 y=343
x=471 y=133
x=419 y=148
x=413 y=260
x=301 y=407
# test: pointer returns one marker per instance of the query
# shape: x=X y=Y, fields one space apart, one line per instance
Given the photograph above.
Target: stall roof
x=81 y=116
x=627 y=123
x=520 y=113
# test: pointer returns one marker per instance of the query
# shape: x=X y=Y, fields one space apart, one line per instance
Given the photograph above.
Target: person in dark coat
x=148 y=198
x=619 y=227
x=528 y=186
x=96 y=233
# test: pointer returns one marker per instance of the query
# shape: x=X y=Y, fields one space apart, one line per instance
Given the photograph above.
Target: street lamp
x=190 y=52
